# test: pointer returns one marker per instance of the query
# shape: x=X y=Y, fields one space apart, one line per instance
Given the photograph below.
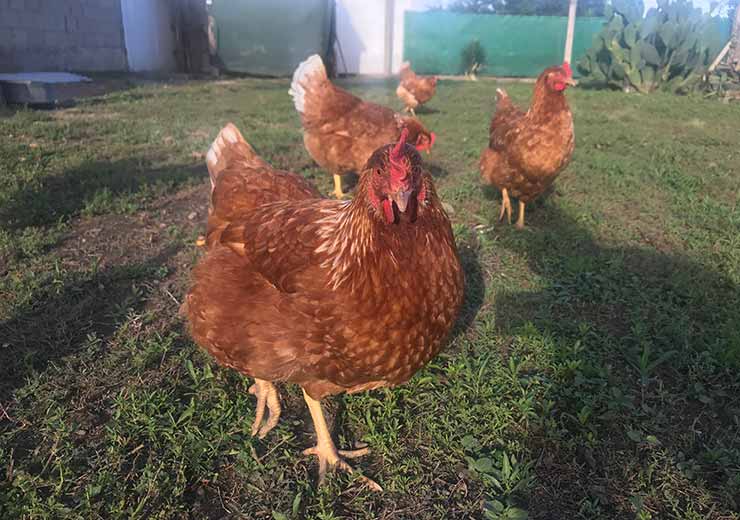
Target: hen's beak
x=571 y=82
x=401 y=198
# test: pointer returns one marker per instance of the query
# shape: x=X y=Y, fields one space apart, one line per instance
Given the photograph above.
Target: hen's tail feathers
x=228 y=147
x=308 y=74
x=502 y=99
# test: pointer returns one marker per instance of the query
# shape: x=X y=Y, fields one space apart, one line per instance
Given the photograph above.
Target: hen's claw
x=267 y=397
x=325 y=450
x=332 y=458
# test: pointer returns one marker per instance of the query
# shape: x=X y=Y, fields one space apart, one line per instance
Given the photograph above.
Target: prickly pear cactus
x=669 y=48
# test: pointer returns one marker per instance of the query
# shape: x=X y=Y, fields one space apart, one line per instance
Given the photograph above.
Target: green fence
x=270 y=37
x=515 y=45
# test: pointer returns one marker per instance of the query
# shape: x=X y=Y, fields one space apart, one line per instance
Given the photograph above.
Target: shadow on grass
x=475 y=289
x=660 y=350
x=64 y=316
x=423 y=109
x=58 y=197
x=437 y=171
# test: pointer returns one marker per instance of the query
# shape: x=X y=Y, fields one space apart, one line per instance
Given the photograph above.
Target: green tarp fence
x=272 y=37
x=517 y=46
x=520 y=46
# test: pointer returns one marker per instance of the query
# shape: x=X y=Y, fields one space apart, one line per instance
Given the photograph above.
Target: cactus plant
x=668 y=48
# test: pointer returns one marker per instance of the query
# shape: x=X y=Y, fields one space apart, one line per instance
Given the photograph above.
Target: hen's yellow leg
x=520 y=220
x=338 y=193
x=267 y=397
x=505 y=205
x=325 y=450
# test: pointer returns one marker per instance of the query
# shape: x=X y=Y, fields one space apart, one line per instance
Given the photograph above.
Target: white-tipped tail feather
x=313 y=65
x=215 y=160
x=501 y=94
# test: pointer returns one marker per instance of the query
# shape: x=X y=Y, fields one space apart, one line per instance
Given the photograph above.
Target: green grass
x=594 y=374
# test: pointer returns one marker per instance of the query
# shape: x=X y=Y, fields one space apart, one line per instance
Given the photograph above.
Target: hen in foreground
x=415 y=90
x=527 y=150
x=335 y=296
x=340 y=130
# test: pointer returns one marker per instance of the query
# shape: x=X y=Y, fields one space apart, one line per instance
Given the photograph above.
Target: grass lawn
x=595 y=372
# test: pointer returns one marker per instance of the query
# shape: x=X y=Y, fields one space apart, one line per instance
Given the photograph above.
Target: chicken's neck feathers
x=546 y=104
x=355 y=239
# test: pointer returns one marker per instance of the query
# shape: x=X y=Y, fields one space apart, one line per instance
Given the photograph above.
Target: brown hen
x=340 y=130
x=527 y=150
x=415 y=90
x=335 y=296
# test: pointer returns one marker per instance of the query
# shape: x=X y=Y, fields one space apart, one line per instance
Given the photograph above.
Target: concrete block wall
x=61 y=35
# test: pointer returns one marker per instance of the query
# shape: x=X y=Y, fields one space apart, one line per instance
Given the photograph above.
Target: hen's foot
x=505 y=206
x=267 y=397
x=330 y=457
x=338 y=193
x=520 y=220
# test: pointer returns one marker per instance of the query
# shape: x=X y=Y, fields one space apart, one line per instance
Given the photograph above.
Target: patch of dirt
x=77 y=114
x=119 y=239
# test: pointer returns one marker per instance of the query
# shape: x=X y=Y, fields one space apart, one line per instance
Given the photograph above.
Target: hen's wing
x=241 y=181
x=494 y=165
x=262 y=270
x=504 y=121
x=406 y=97
x=424 y=89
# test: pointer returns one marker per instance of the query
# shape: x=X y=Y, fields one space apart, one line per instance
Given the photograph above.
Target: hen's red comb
x=399 y=166
x=397 y=152
x=567 y=69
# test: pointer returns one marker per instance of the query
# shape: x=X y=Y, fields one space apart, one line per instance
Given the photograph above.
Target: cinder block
x=91 y=40
x=56 y=39
x=98 y=13
x=111 y=39
x=21 y=39
x=11 y=17
x=31 y=20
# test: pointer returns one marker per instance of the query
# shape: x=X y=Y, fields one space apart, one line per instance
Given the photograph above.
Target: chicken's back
x=341 y=130
x=423 y=88
x=241 y=181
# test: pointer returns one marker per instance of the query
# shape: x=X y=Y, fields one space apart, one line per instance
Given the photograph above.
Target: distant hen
x=527 y=150
x=415 y=90
x=340 y=130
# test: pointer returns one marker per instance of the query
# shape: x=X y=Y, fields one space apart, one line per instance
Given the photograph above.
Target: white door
x=361 y=36
x=148 y=32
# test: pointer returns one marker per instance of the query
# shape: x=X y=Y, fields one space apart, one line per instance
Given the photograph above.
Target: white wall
x=361 y=33
x=150 y=41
